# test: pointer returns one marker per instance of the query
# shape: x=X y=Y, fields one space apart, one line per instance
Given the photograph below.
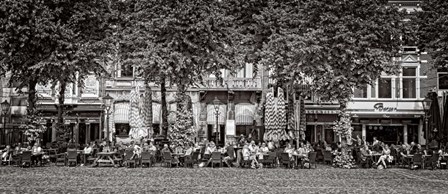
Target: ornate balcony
x=241 y=84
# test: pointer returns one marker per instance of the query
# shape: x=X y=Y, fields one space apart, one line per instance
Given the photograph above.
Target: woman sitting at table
x=137 y=150
x=385 y=156
x=247 y=155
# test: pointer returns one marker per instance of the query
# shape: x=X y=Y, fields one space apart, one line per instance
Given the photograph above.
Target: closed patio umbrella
x=435 y=122
x=443 y=131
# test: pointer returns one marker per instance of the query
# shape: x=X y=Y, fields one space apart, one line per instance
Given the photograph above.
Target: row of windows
x=406 y=86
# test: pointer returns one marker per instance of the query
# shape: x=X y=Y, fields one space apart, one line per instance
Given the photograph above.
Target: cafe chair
x=311 y=160
x=328 y=157
x=168 y=159
x=72 y=157
x=216 y=159
x=60 y=159
x=128 y=158
x=417 y=160
x=270 y=160
x=244 y=162
x=26 y=159
x=146 y=159
x=286 y=161
x=189 y=161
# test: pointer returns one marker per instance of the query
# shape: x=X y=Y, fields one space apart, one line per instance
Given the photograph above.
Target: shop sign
x=379 y=107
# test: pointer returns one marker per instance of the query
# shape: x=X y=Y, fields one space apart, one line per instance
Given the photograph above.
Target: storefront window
x=385 y=88
x=409 y=82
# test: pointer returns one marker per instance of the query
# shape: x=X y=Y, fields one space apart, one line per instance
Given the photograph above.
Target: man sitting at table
x=228 y=158
x=364 y=156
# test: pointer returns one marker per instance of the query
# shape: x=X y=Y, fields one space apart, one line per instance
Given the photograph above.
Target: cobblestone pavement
x=324 y=179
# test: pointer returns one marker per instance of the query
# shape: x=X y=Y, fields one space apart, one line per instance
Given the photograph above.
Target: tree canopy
x=432 y=30
x=337 y=44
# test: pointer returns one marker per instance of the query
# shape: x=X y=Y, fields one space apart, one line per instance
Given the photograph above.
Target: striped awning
x=211 y=116
x=156 y=113
x=121 y=112
x=244 y=114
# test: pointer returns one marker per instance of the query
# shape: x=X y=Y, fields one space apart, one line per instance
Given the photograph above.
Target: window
x=127 y=71
x=443 y=81
x=360 y=92
x=385 y=88
x=246 y=71
x=409 y=88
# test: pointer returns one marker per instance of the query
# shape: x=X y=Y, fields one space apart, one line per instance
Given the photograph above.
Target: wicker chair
x=312 y=159
x=26 y=159
x=286 y=161
x=417 y=160
x=72 y=157
x=130 y=162
x=146 y=159
x=216 y=159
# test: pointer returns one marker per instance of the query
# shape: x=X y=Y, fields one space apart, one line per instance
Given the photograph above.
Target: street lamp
x=216 y=103
x=5 y=108
x=426 y=106
x=107 y=100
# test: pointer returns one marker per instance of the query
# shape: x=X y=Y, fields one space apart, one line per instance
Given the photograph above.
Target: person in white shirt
x=36 y=154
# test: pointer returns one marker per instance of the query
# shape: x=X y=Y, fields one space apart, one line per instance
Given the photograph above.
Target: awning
x=244 y=114
x=322 y=111
x=211 y=116
x=121 y=112
x=156 y=113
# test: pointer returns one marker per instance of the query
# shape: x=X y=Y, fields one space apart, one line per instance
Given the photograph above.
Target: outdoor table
x=105 y=157
x=298 y=158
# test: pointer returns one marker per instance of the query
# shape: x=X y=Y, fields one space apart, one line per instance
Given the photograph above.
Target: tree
x=178 y=42
x=431 y=31
x=49 y=41
x=337 y=44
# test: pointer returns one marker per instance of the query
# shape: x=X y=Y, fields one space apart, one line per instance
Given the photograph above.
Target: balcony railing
x=233 y=83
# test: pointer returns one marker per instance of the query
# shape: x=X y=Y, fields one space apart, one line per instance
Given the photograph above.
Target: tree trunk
x=60 y=107
x=164 y=107
x=32 y=99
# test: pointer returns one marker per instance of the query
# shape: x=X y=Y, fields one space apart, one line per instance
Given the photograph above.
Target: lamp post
x=216 y=103
x=107 y=100
x=426 y=106
x=5 y=108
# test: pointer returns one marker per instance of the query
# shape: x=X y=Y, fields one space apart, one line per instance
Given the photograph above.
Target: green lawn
x=324 y=179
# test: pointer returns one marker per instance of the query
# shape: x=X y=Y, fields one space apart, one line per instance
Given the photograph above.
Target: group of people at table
x=34 y=148
x=383 y=152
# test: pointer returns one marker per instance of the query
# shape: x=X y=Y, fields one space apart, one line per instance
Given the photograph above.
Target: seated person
x=263 y=150
x=365 y=154
x=36 y=153
x=151 y=147
x=165 y=148
x=290 y=150
x=18 y=149
x=228 y=159
x=145 y=147
x=6 y=153
x=385 y=156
